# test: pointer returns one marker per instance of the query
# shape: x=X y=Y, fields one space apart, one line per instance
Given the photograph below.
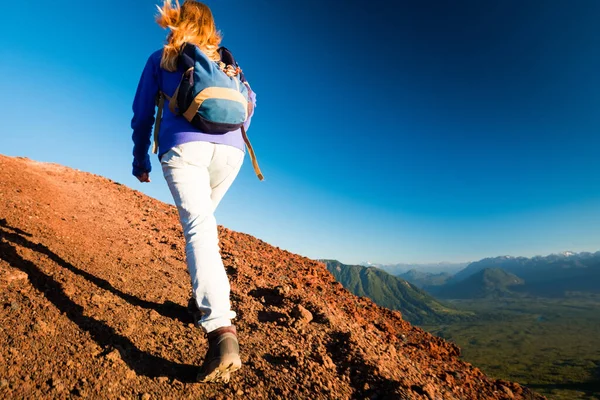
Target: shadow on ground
x=105 y=336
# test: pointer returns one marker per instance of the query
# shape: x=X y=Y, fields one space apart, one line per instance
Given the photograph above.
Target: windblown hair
x=191 y=22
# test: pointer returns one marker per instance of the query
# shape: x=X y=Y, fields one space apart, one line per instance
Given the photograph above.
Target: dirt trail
x=93 y=289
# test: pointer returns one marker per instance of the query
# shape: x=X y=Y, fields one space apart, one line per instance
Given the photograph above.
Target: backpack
x=208 y=98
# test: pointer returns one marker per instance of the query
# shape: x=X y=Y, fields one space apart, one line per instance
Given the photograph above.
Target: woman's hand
x=145 y=177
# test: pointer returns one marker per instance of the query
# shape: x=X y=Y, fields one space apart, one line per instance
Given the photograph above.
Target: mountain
x=425 y=279
x=389 y=291
x=436 y=268
x=553 y=275
x=487 y=283
x=93 y=288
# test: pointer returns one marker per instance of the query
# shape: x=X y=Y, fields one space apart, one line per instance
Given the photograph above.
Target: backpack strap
x=161 y=105
x=157 y=121
x=252 y=155
x=173 y=101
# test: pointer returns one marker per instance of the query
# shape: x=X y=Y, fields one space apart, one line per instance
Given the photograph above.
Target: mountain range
x=433 y=268
x=554 y=275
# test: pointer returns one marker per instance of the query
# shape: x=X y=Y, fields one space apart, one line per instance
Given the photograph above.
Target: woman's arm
x=143 y=118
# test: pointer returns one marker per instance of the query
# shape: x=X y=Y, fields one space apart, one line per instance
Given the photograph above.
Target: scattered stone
x=96 y=299
x=509 y=393
x=43 y=327
x=301 y=314
x=177 y=383
x=154 y=315
x=282 y=290
x=114 y=356
x=16 y=276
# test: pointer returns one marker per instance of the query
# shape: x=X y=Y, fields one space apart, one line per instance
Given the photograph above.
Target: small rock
x=114 y=355
x=162 y=379
x=3 y=383
x=97 y=299
x=15 y=306
x=16 y=276
x=302 y=314
x=58 y=385
x=146 y=396
x=328 y=362
x=457 y=374
x=240 y=392
x=154 y=315
x=282 y=290
x=41 y=326
x=509 y=394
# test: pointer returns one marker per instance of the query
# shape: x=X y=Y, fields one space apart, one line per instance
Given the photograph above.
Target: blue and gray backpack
x=208 y=98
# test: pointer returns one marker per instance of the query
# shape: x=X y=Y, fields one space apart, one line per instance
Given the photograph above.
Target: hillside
x=487 y=283
x=94 y=286
x=392 y=292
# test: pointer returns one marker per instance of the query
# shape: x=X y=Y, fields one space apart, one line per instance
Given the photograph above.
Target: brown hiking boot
x=222 y=357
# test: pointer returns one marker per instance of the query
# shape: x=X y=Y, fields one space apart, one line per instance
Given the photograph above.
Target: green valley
x=550 y=345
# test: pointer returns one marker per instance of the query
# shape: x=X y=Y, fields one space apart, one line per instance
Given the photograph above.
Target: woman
x=199 y=168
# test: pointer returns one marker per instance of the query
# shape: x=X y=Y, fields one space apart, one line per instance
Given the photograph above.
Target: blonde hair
x=191 y=22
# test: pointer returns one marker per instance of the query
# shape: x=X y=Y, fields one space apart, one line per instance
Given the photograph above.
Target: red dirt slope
x=93 y=288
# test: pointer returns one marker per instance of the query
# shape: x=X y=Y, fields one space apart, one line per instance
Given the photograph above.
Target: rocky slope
x=93 y=288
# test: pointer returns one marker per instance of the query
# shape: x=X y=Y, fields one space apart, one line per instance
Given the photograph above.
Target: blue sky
x=387 y=131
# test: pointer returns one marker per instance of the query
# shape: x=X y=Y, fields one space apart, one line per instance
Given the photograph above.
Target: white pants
x=199 y=174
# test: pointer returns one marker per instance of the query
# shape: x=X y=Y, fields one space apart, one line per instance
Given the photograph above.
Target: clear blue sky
x=416 y=131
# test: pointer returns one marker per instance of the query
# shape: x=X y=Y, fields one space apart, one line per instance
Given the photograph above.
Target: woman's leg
x=198 y=175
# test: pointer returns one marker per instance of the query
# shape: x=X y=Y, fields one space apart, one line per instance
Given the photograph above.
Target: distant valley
x=535 y=320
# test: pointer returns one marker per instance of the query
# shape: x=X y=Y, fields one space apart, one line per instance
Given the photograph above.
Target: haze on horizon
x=396 y=133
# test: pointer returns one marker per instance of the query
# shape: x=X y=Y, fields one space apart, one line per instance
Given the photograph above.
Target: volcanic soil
x=93 y=295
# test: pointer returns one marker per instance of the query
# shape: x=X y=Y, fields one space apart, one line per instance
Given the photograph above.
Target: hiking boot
x=222 y=357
